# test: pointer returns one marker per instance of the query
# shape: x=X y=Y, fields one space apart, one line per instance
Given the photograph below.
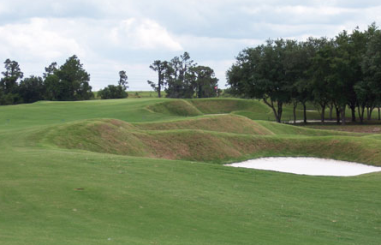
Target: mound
x=222 y=123
x=117 y=137
x=217 y=106
x=176 y=107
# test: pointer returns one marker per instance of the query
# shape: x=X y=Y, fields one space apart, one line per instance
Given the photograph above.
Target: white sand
x=308 y=166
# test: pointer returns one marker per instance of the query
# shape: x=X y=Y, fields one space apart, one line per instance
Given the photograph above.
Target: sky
x=113 y=35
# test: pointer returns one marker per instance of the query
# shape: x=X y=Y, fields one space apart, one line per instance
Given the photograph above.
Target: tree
x=11 y=74
x=8 y=84
x=371 y=68
x=123 y=80
x=320 y=71
x=116 y=92
x=179 y=77
x=51 y=69
x=112 y=92
x=204 y=81
x=69 y=82
x=162 y=68
x=260 y=73
x=32 y=89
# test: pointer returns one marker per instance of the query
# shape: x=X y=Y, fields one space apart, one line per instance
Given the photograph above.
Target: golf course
x=152 y=171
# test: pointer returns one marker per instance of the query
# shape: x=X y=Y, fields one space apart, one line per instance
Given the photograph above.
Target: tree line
x=335 y=74
x=181 y=77
x=68 y=82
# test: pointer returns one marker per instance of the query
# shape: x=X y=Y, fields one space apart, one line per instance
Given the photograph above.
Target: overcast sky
x=113 y=35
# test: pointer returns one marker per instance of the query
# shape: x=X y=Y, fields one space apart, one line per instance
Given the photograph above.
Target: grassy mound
x=218 y=106
x=223 y=123
x=180 y=140
x=176 y=107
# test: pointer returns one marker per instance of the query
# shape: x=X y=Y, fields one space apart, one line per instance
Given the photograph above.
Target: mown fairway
x=149 y=171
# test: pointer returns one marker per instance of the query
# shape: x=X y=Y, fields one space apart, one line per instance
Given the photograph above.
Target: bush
x=112 y=92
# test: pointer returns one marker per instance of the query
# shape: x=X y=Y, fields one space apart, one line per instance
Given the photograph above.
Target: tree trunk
x=353 y=109
x=342 y=112
x=361 y=111
x=280 y=111
x=331 y=112
x=277 y=114
x=294 y=111
x=323 y=106
x=305 y=112
x=370 y=111
x=338 y=115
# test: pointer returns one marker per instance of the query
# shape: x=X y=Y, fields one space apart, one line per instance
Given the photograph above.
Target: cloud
x=143 y=34
x=109 y=36
x=35 y=39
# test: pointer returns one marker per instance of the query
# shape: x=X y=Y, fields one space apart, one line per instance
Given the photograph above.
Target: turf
x=55 y=193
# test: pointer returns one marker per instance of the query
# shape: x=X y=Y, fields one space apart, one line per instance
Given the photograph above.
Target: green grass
x=54 y=192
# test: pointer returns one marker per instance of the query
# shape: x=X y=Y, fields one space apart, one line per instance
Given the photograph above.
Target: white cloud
x=143 y=34
x=114 y=35
x=37 y=40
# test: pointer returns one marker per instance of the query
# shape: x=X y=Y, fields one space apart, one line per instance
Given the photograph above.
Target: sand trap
x=308 y=166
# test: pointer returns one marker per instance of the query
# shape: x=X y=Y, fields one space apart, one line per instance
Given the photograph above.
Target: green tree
x=162 y=68
x=9 y=85
x=179 y=77
x=204 y=81
x=123 y=80
x=116 y=92
x=69 y=82
x=113 y=92
x=371 y=68
x=260 y=73
x=32 y=89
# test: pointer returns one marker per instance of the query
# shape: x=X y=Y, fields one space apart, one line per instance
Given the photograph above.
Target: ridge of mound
x=218 y=106
x=118 y=137
x=176 y=107
x=221 y=123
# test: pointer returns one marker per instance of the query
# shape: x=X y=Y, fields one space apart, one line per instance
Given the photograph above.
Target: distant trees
x=68 y=82
x=331 y=73
x=116 y=92
x=183 y=78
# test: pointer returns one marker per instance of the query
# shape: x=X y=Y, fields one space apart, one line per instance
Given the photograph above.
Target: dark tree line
x=68 y=82
x=183 y=78
x=334 y=74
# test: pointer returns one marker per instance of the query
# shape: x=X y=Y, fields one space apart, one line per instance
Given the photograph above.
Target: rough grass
x=183 y=141
x=221 y=123
x=176 y=107
x=218 y=106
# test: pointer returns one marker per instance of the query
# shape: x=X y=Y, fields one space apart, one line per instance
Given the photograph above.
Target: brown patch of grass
x=116 y=137
x=225 y=123
x=176 y=107
x=216 y=106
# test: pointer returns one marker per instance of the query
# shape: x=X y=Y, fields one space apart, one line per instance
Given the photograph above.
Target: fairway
x=151 y=171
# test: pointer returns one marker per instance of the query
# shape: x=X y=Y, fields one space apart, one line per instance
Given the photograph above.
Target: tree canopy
x=183 y=78
x=337 y=73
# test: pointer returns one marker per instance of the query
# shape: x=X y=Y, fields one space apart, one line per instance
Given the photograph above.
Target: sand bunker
x=308 y=166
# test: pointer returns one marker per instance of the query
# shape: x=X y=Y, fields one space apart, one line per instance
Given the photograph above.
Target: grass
x=55 y=192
